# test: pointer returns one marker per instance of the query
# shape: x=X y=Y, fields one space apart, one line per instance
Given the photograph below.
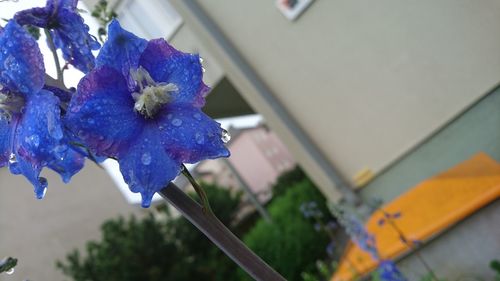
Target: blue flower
x=31 y=136
x=141 y=106
x=388 y=271
x=68 y=30
x=354 y=227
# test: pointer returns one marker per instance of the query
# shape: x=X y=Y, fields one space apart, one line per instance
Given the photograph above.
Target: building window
x=149 y=19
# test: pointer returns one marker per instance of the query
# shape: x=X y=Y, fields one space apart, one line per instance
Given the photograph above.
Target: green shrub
x=288 y=179
x=290 y=244
x=152 y=249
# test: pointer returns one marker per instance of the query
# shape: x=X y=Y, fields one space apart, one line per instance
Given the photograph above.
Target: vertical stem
x=199 y=190
x=409 y=244
x=52 y=48
x=219 y=235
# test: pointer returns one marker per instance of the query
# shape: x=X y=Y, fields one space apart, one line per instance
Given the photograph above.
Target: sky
x=72 y=76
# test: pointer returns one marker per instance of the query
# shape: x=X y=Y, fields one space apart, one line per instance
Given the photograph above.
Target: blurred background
x=392 y=103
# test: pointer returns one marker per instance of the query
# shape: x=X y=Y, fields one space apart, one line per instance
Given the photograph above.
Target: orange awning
x=426 y=210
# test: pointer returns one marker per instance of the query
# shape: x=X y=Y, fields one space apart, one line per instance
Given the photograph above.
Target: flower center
x=151 y=95
x=9 y=103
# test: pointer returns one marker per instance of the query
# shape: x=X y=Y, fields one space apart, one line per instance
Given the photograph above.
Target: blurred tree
x=153 y=249
x=290 y=245
x=288 y=179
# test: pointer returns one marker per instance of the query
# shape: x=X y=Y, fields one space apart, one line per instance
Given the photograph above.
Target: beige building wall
x=38 y=232
x=366 y=80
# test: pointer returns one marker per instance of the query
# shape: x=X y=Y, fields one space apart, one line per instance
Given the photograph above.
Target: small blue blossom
x=356 y=230
x=31 y=135
x=142 y=106
x=68 y=30
x=330 y=249
x=388 y=271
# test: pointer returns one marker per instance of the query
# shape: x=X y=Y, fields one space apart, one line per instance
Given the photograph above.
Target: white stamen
x=151 y=96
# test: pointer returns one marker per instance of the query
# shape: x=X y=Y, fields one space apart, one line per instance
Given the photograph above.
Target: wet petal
x=5 y=140
x=68 y=162
x=146 y=167
x=32 y=173
x=73 y=38
x=122 y=50
x=101 y=112
x=189 y=135
x=68 y=29
x=37 y=137
x=21 y=62
x=166 y=64
x=34 y=16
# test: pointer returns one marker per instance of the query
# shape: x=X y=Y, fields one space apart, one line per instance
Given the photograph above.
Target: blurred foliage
x=155 y=248
x=288 y=179
x=290 y=245
x=495 y=265
x=104 y=15
x=7 y=264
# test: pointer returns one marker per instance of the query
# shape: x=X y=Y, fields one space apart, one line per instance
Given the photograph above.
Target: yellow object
x=426 y=210
x=363 y=177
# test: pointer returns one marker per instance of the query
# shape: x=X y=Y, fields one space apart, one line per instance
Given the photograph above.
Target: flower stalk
x=222 y=237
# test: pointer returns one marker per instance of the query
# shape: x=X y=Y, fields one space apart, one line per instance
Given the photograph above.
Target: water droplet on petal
x=203 y=69
x=199 y=138
x=197 y=116
x=12 y=158
x=10 y=271
x=201 y=60
x=33 y=139
x=176 y=122
x=146 y=158
x=225 y=137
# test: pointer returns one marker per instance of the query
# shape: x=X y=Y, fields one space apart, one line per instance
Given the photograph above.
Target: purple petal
x=102 y=114
x=189 y=135
x=146 y=167
x=68 y=30
x=5 y=140
x=72 y=36
x=35 y=16
x=21 y=62
x=68 y=162
x=121 y=51
x=38 y=136
x=166 y=64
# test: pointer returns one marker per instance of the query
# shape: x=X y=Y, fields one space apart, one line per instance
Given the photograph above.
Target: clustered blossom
x=387 y=270
x=141 y=106
x=70 y=33
x=139 y=103
x=31 y=130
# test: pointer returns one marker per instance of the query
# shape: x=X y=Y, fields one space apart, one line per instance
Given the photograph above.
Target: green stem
x=199 y=190
x=220 y=235
x=52 y=48
x=409 y=244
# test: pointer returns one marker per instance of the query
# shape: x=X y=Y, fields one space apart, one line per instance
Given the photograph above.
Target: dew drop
x=197 y=116
x=10 y=271
x=225 y=136
x=176 y=122
x=203 y=69
x=146 y=158
x=33 y=139
x=201 y=60
x=12 y=158
x=199 y=138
